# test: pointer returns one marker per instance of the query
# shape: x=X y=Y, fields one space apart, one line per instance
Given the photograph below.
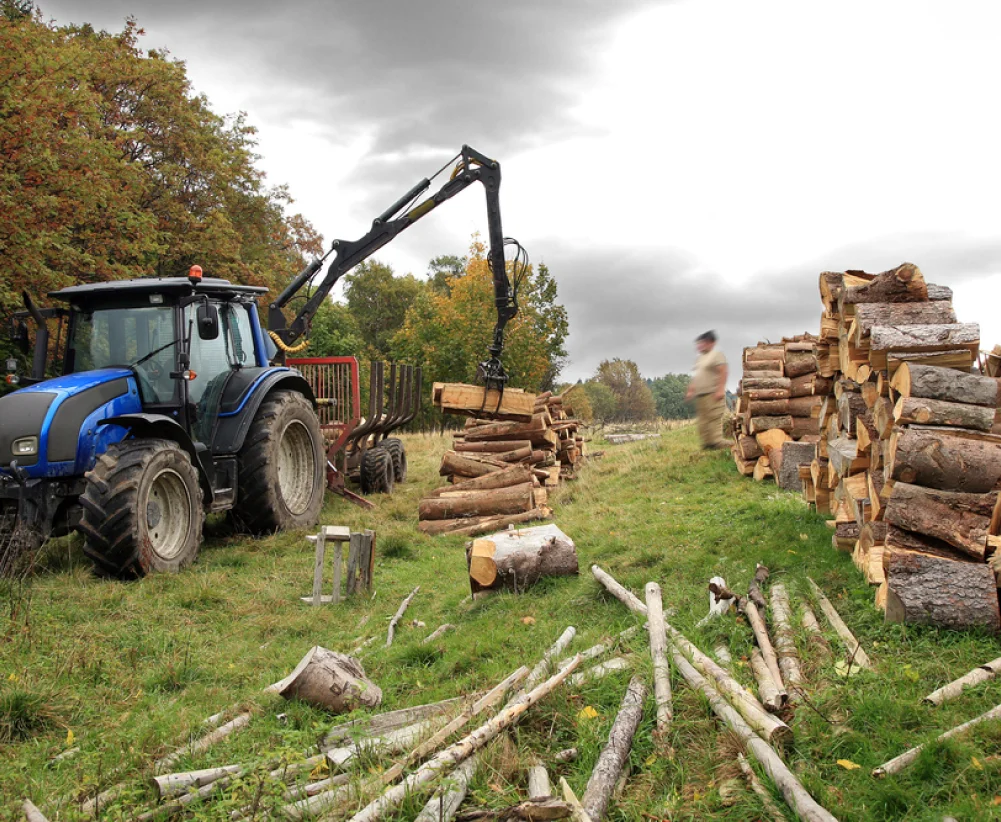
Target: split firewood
x=448 y=759
x=769 y=694
x=785 y=645
x=539 y=787
x=658 y=650
x=489 y=700
x=330 y=680
x=770 y=727
x=31 y=812
x=760 y=790
x=599 y=671
x=987 y=671
x=856 y=655
x=443 y=805
x=624 y=595
x=399 y=615
x=616 y=752
x=566 y=755
x=795 y=794
x=437 y=632
x=202 y=743
x=898 y=763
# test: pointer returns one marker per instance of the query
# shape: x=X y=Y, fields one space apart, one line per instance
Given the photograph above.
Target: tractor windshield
x=121 y=336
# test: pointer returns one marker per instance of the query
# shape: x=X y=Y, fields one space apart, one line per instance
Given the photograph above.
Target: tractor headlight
x=25 y=447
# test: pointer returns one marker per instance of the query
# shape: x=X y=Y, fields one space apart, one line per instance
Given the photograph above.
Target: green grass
x=131 y=669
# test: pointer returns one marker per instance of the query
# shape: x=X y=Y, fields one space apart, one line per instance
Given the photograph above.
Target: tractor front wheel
x=282 y=469
x=142 y=509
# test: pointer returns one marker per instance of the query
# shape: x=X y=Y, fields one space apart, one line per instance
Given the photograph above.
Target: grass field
x=127 y=671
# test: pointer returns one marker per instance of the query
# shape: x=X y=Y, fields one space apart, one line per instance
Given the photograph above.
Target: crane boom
x=471 y=167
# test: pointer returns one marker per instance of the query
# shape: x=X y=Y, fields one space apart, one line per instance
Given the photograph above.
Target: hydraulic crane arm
x=471 y=167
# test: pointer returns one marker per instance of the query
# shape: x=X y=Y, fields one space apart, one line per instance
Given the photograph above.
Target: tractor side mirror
x=207 y=317
x=19 y=336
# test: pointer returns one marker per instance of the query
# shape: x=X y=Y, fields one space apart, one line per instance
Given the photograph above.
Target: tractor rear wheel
x=142 y=509
x=399 y=456
x=282 y=469
x=377 y=471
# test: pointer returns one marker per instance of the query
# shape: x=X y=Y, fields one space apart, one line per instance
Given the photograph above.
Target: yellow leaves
x=843 y=669
x=12 y=677
x=528 y=620
x=650 y=759
x=976 y=763
x=321 y=770
x=804 y=537
x=588 y=713
x=848 y=765
x=910 y=673
x=70 y=738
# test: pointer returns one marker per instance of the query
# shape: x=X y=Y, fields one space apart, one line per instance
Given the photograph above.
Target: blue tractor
x=173 y=401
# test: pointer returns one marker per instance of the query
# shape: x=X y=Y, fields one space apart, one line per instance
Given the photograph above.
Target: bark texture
x=929 y=590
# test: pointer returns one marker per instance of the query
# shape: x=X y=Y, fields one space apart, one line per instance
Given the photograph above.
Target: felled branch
x=399 y=615
x=855 y=652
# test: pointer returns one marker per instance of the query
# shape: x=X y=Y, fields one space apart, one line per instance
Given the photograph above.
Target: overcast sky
x=678 y=165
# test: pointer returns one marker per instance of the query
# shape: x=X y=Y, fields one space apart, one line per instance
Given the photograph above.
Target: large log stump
x=330 y=680
x=962 y=520
x=945 y=461
x=516 y=560
x=929 y=590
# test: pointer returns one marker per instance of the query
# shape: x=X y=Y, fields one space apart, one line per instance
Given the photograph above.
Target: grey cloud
x=649 y=306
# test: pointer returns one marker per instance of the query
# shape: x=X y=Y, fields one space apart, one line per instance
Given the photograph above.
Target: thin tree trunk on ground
x=624 y=595
x=616 y=752
x=785 y=645
x=760 y=790
x=898 y=763
x=981 y=674
x=795 y=794
x=399 y=615
x=443 y=806
x=658 y=650
x=31 y=812
x=205 y=742
x=771 y=697
x=446 y=760
x=765 y=644
x=855 y=652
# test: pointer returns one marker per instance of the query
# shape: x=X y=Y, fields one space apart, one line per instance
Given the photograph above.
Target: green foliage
x=334 y=332
x=633 y=398
x=378 y=301
x=23 y=714
x=669 y=394
x=604 y=405
x=444 y=269
x=113 y=167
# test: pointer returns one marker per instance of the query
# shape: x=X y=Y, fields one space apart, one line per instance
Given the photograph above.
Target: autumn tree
x=449 y=332
x=112 y=167
x=634 y=400
x=604 y=405
x=334 y=332
x=669 y=395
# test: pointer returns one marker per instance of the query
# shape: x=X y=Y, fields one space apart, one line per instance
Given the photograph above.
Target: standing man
x=708 y=388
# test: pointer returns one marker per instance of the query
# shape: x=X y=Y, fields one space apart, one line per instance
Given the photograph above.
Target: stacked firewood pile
x=908 y=459
x=513 y=450
x=779 y=401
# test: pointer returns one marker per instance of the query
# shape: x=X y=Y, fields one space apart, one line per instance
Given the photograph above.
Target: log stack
x=908 y=460
x=501 y=469
x=776 y=425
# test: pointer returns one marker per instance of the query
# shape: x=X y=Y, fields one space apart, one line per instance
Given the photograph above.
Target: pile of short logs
x=908 y=458
x=513 y=449
x=778 y=405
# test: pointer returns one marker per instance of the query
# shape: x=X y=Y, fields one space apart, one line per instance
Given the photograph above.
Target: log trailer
x=174 y=401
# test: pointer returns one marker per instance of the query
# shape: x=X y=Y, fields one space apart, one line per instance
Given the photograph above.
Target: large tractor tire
x=282 y=469
x=142 y=509
x=377 y=471
x=399 y=456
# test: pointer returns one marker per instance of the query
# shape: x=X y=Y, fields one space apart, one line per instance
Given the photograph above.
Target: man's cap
x=708 y=336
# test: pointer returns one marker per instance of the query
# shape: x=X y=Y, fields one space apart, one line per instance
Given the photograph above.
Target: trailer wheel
x=377 y=471
x=142 y=509
x=282 y=468
x=399 y=456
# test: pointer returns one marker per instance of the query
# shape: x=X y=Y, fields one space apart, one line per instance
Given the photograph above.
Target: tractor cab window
x=214 y=360
x=142 y=337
